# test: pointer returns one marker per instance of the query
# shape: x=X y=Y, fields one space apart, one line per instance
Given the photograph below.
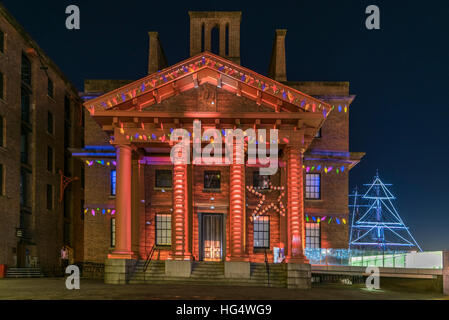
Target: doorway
x=211 y=237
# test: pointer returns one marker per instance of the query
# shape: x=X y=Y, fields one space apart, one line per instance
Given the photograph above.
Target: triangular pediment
x=201 y=72
x=207 y=98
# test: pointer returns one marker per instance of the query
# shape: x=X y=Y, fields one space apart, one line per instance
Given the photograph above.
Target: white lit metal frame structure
x=376 y=224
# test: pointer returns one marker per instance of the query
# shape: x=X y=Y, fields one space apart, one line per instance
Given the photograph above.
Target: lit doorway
x=211 y=237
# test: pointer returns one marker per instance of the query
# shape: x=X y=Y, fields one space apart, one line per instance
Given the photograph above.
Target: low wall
x=92 y=270
x=390 y=278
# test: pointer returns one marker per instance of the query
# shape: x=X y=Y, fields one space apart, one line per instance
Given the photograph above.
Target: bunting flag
x=329 y=220
x=171 y=74
x=103 y=163
x=99 y=211
x=325 y=169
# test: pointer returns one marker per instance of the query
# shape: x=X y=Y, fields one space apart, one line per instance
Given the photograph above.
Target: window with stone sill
x=113 y=182
x=164 y=179
x=112 y=232
x=313 y=186
x=49 y=159
x=261 y=232
x=163 y=229
x=2 y=86
x=49 y=197
x=313 y=235
x=26 y=70
x=50 y=89
x=2 y=131
x=50 y=122
x=2 y=41
x=2 y=179
x=212 y=180
x=261 y=182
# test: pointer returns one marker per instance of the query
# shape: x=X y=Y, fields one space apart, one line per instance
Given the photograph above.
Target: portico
x=140 y=117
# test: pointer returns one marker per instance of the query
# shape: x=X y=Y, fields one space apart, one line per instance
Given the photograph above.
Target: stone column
x=237 y=205
x=295 y=206
x=299 y=274
x=123 y=204
x=180 y=247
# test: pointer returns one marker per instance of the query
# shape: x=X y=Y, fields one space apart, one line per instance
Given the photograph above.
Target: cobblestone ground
x=54 y=288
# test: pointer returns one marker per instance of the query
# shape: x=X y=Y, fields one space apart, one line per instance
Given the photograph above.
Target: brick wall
x=45 y=227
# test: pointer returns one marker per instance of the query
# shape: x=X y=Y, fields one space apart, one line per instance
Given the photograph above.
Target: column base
x=300 y=260
x=118 y=271
x=237 y=269
x=122 y=255
x=180 y=257
x=178 y=268
x=299 y=276
x=244 y=258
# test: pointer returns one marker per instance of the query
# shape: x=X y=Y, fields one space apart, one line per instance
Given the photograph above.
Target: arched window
x=227 y=40
x=215 y=40
x=202 y=37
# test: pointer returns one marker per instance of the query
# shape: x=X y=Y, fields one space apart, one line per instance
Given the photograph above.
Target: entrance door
x=212 y=237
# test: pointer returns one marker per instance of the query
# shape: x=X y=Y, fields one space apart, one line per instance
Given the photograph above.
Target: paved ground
x=54 y=288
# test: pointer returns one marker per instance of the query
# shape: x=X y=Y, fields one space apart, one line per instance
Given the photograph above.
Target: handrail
x=149 y=258
x=267 y=266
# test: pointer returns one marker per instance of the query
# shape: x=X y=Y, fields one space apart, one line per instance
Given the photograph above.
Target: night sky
x=400 y=74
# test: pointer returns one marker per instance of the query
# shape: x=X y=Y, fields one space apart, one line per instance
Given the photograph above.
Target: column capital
x=125 y=146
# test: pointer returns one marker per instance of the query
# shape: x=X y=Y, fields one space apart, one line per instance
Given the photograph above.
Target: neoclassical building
x=149 y=218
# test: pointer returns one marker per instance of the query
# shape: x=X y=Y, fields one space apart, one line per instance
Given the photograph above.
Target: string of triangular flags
x=322 y=168
x=103 y=163
x=172 y=74
x=337 y=220
x=99 y=211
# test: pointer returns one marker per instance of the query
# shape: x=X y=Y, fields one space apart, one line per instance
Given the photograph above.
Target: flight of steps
x=24 y=273
x=259 y=275
x=210 y=273
x=155 y=271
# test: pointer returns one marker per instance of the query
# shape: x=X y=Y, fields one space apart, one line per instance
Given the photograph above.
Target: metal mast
x=375 y=222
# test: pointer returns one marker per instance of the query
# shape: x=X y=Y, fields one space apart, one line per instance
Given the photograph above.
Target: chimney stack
x=278 y=68
x=156 y=56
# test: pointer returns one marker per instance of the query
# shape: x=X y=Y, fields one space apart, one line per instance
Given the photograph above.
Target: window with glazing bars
x=26 y=70
x=163 y=229
x=261 y=181
x=313 y=237
x=313 y=186
x=113 y=182
x=50 y=88
x=212 y=179
x=112 y=232
x=49 y=197
x=164 y=179
x=2 y=132
x=262 y=232
x=2 y=86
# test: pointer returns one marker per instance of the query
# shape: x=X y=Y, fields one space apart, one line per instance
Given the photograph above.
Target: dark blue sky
x=400 y=74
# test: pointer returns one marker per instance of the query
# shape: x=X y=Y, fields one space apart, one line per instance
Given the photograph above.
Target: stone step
x=200 y=267
x=24 y=273
x=224 y=282
x=211 y=273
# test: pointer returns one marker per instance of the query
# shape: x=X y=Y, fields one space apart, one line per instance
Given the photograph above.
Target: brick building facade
x=40 y=118
x=136 y=200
